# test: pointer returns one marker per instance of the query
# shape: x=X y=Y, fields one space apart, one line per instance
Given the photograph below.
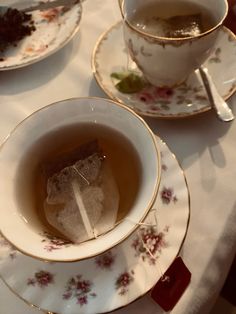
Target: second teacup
x=165 y=57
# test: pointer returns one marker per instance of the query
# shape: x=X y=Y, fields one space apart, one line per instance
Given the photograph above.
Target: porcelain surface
x=54 y=29
x=20 y=223
x=185 y=100
x=117 y=277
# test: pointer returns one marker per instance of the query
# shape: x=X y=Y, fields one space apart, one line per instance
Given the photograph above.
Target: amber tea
x=173 y=19
x=61 y=151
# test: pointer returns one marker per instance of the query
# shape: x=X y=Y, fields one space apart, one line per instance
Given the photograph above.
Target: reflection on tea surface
x=174 y=19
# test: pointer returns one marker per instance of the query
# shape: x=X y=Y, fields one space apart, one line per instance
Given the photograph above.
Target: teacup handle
x=121 y=5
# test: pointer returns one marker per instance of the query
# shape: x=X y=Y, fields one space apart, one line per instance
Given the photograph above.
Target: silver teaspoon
x=223 y=111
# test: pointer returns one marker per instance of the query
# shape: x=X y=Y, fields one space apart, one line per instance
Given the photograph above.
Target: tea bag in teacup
x=178 y=26
x=82 y=197
x=184 y=26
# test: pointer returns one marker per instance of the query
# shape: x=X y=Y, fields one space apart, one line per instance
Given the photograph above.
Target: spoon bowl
x=224 y=113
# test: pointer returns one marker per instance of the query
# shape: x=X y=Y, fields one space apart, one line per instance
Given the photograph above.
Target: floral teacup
x=168 y=61
x=20 y=222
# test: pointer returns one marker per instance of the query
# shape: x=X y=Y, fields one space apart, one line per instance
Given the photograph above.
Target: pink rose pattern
x=123 y=282
x=164 y=167
x=79 y=289
x=105 y=261
x=167 y=195
x=5 y=243
x=30 y=49
x=48 y=16
x=41 y=279
x=149 y=243
x=53 y=243
x=13 y=255
x=156 y=97
x=53 y=14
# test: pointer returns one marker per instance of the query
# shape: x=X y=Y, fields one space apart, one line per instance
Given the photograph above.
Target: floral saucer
x=54 y=29
x=110 y=64
x=117 y=277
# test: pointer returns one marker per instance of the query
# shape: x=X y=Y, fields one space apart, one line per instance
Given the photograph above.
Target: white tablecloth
x=204 y=146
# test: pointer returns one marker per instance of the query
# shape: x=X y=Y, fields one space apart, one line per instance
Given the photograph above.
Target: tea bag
x=184 y=26
x=82 y=195
x=180 y=26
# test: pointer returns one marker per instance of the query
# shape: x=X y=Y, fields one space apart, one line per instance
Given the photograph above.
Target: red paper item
x=230 y=21
x=172 y=285
x=231 y=3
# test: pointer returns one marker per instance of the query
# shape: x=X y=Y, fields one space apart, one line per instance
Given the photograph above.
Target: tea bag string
x=92 y=233
x=81 y=174
x=130 y=64
x=155 y=225
x=140 y=223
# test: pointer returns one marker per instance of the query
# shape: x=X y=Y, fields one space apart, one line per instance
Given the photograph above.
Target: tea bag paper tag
x=171 y=285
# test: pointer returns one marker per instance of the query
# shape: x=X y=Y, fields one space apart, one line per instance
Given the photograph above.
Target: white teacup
x=169 y=61
x=19 y=222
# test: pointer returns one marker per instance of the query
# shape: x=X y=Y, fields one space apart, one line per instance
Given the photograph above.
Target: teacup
x=168 y=61
x=19 y=222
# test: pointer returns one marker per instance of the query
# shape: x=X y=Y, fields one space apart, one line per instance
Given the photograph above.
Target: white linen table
x=204 y=146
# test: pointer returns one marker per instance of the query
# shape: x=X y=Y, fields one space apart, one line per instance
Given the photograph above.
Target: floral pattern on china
x=121 y=80
x=79 y=287
x=54 y=29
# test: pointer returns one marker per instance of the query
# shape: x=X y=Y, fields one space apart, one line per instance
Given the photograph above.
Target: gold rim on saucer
x=180 y=247
x=98 y=77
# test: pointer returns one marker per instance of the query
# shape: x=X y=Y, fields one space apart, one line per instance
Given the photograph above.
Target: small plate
x=188 y=99
x=54 y=29
x=117 y=277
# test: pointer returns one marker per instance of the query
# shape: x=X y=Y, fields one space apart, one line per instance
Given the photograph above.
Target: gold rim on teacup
x=149 y=203
x=97 y=72
x=47 y=311
x=171 y=40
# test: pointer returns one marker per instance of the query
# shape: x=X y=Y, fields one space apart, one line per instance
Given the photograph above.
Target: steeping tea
x=173 y=19
x=85 y=153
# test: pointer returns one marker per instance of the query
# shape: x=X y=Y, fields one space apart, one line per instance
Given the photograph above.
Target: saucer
x=117 y=277
x=110 y=61
x=54 y=29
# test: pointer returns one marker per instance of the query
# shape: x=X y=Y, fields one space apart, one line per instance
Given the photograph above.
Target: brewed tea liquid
x=119 y=152
x=175 y=19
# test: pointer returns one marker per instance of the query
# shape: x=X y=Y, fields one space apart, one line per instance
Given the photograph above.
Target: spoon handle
x=223 y=111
